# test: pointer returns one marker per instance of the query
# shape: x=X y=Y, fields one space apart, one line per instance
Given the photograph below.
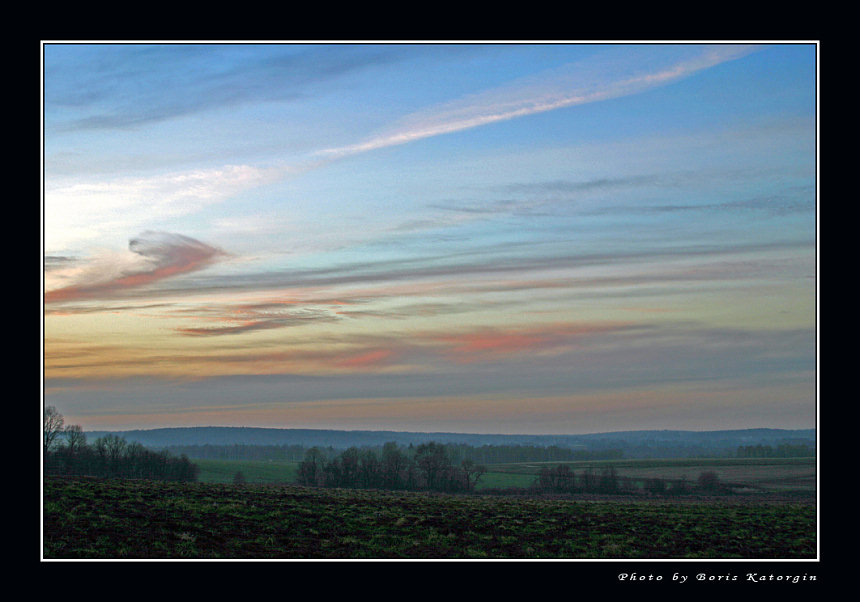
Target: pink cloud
x=165 y=254
x=489 y=343
x=366 y=359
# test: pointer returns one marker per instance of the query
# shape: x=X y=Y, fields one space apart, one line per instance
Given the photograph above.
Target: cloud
x=785 y=199
x=76 y=211
x=120 y=89
x=462 y=268
x=410 y=310
x=248 y=318
x=368 y=359
x=596 y=79
x=493 y=343
x=153 y=256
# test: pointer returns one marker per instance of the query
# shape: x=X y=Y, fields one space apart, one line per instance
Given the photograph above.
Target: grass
x=254 y=471
x=99 y=518
x=768 y=475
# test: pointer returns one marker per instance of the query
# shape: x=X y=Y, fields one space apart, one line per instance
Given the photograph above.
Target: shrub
x=709 y=481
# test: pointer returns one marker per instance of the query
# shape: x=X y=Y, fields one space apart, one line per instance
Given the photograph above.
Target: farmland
x=750 y=475
x=254 y=471
x=747 y=475
x=139 y=519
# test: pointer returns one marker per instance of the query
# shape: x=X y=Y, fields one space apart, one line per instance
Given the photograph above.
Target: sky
x=535 y=238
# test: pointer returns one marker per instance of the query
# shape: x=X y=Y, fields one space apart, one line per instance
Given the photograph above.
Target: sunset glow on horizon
x=478 y=238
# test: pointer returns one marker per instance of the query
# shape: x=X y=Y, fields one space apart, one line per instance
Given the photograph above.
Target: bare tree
x=369 y=468
x=393 y=464
x=110 y=450
x=312 y=467
x=432 y=460
x=115 y=446
x=349 y=467
x=709 y=481
x=608 y=482
x=75 y=439
x=53 y=426
x=473 y=472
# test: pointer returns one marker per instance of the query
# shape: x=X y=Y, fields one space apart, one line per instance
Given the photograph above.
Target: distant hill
x=634 y=443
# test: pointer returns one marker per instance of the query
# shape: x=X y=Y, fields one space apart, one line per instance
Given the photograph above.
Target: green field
x=254 y=471
x=765 y=475
x=112 y=518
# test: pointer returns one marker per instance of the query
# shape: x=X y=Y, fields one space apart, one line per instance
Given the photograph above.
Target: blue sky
x=520 y=238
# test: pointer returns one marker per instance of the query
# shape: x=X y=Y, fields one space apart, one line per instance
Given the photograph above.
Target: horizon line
x=343 y=430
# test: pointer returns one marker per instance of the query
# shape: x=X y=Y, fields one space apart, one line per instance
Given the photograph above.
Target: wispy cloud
x=493 y=343
x=79 y=212
x=122 y=90
x=461 y=269
x=558 y=356
x=248 y=319
x=594 y=80
x=367 y=359
x=152 y=256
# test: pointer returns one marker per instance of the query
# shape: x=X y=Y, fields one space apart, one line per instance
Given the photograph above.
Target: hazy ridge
x=341 y=439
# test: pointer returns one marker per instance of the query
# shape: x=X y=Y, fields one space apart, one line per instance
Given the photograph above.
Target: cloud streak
x=248 y=320
x=576 y=84
x=88 y=210
x=80 y=211
x=155 y=256
x=123 y=91
x=496 y=262
x=488 y=344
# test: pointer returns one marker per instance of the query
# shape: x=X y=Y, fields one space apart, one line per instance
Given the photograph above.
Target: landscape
x=433 y=301
x=753 y=496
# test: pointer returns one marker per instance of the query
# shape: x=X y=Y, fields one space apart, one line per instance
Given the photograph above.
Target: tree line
x=502 y=454
x=561 y=479
x=456 y=452
x=430 y=467
x=783 y=450
x=239 y=451
x=427 y=466
x=66 y=452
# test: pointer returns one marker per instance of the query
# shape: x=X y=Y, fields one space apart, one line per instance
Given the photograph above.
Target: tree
x=432 y=460
x=311 y=468
x=557 y=479
x=349 y=461
x=70 y=456
x=53 y=426
x=655 y=485
x=111 y=456
x=110 y=450
x=608 y=480
x=473 y=472
x=135 y=460
x=709 y=481
x=76 y=440
x=393 y=465
x=588 y=480
x=115 y=447
x=369 y=469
